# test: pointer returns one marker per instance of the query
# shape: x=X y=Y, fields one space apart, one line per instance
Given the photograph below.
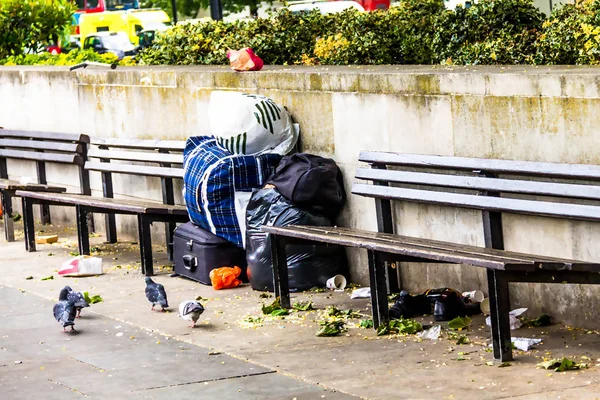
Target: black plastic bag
x=308 y=265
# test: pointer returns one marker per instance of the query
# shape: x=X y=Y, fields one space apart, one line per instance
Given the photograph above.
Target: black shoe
x=408 y=306
x=449 y=305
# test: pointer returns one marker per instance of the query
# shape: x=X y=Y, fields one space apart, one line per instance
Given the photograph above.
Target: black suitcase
x=197 y=252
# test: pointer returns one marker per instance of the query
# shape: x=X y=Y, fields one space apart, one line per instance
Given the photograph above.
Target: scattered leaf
x=366 y=323
x=459 y=323
x=265 y=296
x=560 y=365
x=15 y=217
x=303 y=306
x=29 y=278
x=93 y=299
x=542 y=320
x=280 y=312
x=331 y=328
x=462 y=339
x=504 y=364
x=275 y=305
x=48 y=278
x=73 y=253
x=402 y=325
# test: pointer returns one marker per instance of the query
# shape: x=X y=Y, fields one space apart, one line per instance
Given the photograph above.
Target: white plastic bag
x=250 y=124
x=81 y=266
x=515 y=323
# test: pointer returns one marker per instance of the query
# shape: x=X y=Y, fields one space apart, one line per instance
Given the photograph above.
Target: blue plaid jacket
x=212 y=175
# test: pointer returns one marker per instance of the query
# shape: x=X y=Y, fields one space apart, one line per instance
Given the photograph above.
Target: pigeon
x=77 y=299
x=155 y=293
x=190 y=310
x=64 y=310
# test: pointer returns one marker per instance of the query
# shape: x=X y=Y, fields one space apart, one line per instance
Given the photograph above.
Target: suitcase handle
x=190 y=261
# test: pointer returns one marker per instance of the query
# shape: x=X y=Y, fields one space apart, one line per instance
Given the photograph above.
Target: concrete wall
x=531 y=113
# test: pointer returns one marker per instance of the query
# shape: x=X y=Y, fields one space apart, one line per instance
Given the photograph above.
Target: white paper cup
x=485 y=306
x=475 y=296
x=337 y=282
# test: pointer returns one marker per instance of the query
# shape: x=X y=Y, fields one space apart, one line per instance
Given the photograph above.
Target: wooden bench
x=41 y=148
x=159 y=159
x=492 y=186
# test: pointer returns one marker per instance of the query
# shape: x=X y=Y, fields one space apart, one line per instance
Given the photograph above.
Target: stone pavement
x=356 y=363
x=110 y=359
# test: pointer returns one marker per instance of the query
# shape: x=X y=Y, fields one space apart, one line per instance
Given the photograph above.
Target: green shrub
x=71 y=58
x=571 y=35
x=29 y=24
x=489 y=32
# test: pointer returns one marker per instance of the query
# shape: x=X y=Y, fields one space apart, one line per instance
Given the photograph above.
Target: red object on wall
x=370 y=5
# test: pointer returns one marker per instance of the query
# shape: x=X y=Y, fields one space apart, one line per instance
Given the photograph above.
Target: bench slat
x=38 y=156
x=69 y=137
x=579 y=171
x=478 y=183
x=6 y=184
x=548 y=209
x=399 y=248
x=133 y=206
x=142 y=170
x=46 y=145
x=172 y=145
x=550 y=263
x=136 y=156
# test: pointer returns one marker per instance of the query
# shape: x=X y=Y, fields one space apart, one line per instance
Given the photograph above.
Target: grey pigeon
x=190 y=310
x=64 y=310
x=155 y=293
x=77 y=299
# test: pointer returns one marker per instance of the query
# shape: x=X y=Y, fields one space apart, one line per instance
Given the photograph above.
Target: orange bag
x=225 y=277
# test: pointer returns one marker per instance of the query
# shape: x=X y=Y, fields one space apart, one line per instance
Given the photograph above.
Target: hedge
x=501 y=32
x=414 y=32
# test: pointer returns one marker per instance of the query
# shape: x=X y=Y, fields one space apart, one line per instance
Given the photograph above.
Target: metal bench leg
x=83 y=234
x=45 y=214
x=379 y=301
x=499 y=309
x=169 y=230
x=28 y=225
x=144 y=223
x=111 y=228
x=280 y=270
x=9 y=226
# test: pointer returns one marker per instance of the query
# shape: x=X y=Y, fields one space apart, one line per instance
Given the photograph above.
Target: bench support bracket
x=9 y=229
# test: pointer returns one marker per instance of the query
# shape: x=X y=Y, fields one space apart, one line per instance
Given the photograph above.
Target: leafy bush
x=29 y=24
x=489 y=32
x=571 y=35
x=71 y=58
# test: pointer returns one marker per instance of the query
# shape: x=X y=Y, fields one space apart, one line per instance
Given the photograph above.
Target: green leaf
x=275 y=305
x=29 y=278
x=542 y=320
x=400 y=326
x=462 y=339
x=86 y=297
x=279 y=312
x=265 y=296
x=303 y=306
x=561 y=364
x=96 y=299
x=331 y=328
x=459 y=323
x=48 y=278
x=366 y=323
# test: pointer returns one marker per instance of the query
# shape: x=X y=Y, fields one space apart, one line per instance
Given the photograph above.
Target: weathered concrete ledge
x=521 y=113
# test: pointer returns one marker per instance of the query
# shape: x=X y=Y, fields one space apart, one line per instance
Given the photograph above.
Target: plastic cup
x=337 y=282
x=485 y=306
x=475 y=296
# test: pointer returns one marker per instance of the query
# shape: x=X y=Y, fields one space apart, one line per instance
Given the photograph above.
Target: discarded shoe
x=449 y=305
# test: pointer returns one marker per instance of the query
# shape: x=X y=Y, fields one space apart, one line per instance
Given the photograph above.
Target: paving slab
x=108 y=358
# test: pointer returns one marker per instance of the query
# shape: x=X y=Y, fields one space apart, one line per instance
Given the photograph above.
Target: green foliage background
x=502 y=32
x=29 y=24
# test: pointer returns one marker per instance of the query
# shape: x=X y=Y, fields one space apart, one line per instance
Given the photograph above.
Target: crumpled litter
x=515 y=323
x=523 y=344
x=244 y=60
x=432 y=333
x=360 y=293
